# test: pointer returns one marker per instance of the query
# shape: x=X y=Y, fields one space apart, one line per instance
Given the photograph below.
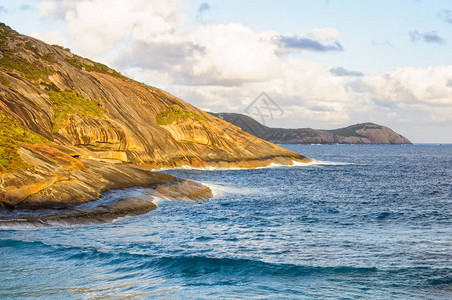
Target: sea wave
x=221 y=189
x=208 y=168
x=314 y=162
x=135 y=260
x=295 y=163
x=186 y=264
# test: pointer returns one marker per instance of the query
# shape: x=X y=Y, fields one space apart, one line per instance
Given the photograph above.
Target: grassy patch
x=50 y=57
x=89 y=65
x=174 y=114
x=5 y=31
x=10 y=56
x=11 y=136
x=26 y=68
x=351 y=130
x=5 y=81
x=61 y=47
x=69 y=102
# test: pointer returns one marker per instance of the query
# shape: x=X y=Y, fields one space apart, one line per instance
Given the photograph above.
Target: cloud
x=409 y=85
x=340 y=71
x=449 y=83
x=429 y=37
x=99 y=26
x=324 y=34
x=383 y=103
x=322 y=108
x=202 y=11
x=54 y=9
x=162 y=56
x=204 y=7
x=446 y=15
x=149 y=35
x=51 y=37
x=309 y=44
x=230 y=54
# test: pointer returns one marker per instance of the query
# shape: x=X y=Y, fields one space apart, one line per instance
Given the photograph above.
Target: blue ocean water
x=376 y=223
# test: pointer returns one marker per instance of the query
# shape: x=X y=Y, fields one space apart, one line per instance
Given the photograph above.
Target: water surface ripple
x=378 y=226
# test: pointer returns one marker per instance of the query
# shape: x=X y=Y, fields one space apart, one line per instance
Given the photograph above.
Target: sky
x=325 y=64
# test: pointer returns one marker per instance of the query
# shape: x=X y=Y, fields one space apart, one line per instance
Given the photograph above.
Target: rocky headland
x=364 y=133
x=72 y=129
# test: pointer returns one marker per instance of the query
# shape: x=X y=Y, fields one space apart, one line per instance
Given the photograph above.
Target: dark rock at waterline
x=107 y=208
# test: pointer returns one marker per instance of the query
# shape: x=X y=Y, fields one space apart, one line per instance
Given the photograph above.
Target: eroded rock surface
x=86 y=129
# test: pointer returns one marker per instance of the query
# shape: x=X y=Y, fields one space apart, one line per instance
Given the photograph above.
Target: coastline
x=58 y=183
x=79 y=129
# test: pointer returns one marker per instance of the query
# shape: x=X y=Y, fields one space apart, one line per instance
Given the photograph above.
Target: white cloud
x=324 y=34
x=411 y=85
x=50 y=37
x=54 y=9
x=233 y=52
x=99 y=26
x=313 y=81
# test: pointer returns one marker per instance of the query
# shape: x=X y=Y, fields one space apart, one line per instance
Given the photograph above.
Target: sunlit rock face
x=85 y=128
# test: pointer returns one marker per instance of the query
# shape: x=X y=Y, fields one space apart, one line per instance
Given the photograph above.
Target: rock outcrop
x=365 y=133
x=72 y=128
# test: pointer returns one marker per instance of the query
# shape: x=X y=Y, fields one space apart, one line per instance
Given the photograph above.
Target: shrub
x=174 y=114
x=30 y=71
x=11 y=136
x=79 y=62
x=5 y=81
x=69 y=102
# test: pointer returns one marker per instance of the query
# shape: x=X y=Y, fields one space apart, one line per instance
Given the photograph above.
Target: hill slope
x=365 y=133
x=71 y=128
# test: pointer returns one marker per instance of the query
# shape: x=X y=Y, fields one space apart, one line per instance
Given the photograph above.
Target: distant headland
x=364 y=133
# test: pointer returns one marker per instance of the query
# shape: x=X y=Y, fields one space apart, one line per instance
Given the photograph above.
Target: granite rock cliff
x=72 y=128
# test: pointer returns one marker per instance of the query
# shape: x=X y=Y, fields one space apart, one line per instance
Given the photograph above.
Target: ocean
x=365 y=221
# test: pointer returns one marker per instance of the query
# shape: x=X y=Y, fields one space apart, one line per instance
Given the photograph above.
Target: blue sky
x=326 y=63
x=375 y=33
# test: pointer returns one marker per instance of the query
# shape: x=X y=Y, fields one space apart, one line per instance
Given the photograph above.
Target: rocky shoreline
x=64 y=189
x=72 y=129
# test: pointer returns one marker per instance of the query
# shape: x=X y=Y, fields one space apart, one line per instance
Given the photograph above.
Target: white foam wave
x=221 y=189
x=17 y=224
x=208 y=168
x=295 y=163
x=21 y=226
x=161 y=201
x=314 y=162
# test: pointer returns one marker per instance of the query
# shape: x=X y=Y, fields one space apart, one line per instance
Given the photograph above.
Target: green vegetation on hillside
x=69 y=102
x=4 y=80
x=351 y=130
x=11 y=136
x=10 y=60
x=174 y=114
x=89 y=65
x=27 y=69
x=5 y=31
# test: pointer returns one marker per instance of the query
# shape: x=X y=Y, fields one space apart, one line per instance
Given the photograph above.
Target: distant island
x=364 y=133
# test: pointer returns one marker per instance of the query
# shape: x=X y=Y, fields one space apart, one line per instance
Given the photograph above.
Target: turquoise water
x=376 y=223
